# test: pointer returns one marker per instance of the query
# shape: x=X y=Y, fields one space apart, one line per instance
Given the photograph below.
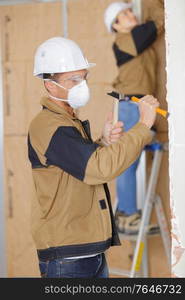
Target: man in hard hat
x=72 y=218
x=136 y=61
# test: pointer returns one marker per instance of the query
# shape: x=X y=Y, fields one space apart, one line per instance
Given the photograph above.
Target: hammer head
x=116 y=95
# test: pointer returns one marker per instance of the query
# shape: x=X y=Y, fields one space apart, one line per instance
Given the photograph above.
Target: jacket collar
x=49 y=104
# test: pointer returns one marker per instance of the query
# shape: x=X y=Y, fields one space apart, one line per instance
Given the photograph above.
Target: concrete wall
x=175 y=41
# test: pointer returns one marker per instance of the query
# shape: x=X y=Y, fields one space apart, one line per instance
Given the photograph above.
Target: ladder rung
x=134 y=237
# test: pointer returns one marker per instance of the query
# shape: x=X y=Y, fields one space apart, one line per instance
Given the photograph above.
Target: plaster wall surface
x=175 y=52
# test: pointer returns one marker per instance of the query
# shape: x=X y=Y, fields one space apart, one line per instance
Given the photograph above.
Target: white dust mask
x=78 y=95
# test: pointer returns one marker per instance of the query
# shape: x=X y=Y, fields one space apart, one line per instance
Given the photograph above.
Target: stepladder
x=139 y=263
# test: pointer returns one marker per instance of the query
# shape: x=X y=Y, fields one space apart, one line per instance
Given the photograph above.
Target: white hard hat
x=112 y=11
x=59 y=55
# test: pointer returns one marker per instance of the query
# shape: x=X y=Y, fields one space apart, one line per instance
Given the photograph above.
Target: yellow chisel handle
x=160 y=111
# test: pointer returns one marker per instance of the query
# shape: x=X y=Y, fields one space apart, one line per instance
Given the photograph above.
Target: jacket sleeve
x=88 y=161
x=140 y=38
x=156 y=14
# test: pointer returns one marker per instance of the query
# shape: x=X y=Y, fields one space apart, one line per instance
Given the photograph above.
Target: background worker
x=72 y=219
x=136 y=61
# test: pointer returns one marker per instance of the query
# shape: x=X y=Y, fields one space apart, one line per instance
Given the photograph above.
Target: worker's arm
x=156 y=14
x=135 y=42
x=90 y=162
x=109 y=162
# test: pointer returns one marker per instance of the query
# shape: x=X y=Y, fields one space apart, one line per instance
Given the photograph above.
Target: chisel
x=160 y=111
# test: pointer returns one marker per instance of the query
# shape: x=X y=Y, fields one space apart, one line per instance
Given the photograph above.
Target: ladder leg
x=150 y=196
x=115 y=205
x=163 y=228
x=145 y=259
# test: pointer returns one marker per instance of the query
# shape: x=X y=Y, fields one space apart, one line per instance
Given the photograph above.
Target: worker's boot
x=133 y=222
x=130 y=224
x=120 y=220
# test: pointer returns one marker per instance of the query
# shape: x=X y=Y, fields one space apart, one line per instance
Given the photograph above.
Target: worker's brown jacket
x=72 y=208
x=135 y=55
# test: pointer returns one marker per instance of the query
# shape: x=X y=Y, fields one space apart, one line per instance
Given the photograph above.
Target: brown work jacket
x=72 y=208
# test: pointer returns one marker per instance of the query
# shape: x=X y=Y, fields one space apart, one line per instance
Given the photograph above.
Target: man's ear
x=49 y=85
x=116 y=26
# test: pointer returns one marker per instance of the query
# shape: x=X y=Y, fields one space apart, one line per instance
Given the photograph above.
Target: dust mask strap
x=56 y=98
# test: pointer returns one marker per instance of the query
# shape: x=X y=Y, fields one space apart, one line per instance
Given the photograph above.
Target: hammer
x=160 y=111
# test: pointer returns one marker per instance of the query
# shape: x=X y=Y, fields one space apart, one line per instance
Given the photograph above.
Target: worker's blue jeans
x=126 y=182
x=90 y=267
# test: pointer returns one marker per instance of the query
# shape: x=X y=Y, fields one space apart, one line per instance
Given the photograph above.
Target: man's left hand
x=112 y=133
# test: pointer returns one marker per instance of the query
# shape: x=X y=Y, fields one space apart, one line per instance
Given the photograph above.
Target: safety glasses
x=77 y=78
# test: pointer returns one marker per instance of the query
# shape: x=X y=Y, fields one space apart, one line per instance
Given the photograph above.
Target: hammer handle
x=115 y=113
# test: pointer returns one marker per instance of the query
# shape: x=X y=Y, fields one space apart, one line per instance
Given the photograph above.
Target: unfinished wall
x=175 y=32
x=86 y=27
x=22 y=93
x=23 y=28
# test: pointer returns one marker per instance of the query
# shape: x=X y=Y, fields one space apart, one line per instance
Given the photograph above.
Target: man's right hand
x=147 y=108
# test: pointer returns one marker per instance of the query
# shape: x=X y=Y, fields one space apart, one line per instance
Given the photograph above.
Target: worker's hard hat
x=59 y=55
x=112 y=11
